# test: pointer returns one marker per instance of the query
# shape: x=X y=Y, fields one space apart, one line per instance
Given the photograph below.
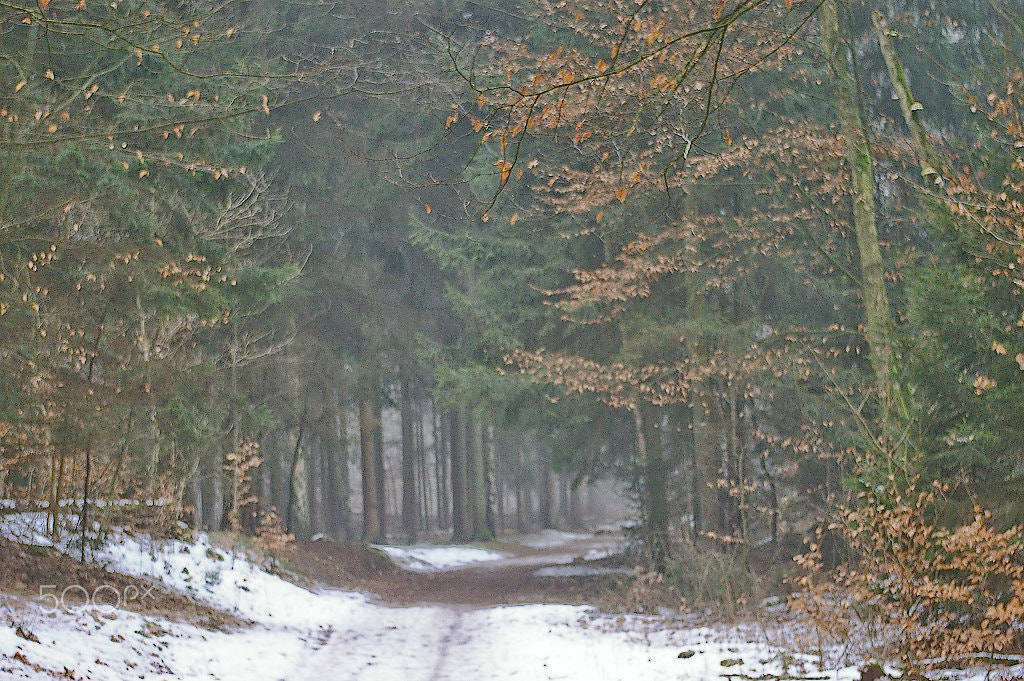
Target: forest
x=745 y=274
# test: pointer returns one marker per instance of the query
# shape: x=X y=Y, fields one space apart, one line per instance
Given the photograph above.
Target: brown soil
x=509 y=581
x=34 y=570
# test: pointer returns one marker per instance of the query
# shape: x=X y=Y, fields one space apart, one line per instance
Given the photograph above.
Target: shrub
x=937 y=594
x=704 y=577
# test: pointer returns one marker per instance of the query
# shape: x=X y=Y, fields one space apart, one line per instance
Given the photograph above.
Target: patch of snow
x=546 y=539
x=28 y=527
x=598 y=554
x=431 y=558
x=571 y=642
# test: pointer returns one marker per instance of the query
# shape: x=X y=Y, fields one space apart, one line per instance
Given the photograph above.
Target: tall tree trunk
x=441 y=443
x=332 y=499
x=573 y=515
x=197 y=502
x=654 y=502
x=83 y=522
x=522 y=497
x=461 y=522
x=725 y=480
x=495 y=488
x=410 y=509
x=339 y=510
x=423 y=472
x=378 y=456
x=878 y=322
x=477 y=481
x=213 y=495
x=696 y=474
x=279 y=472
x=547 y=502
x=315 y=477
x=499 y=507
x=521 y=501
x=368 y=415
x=289 y=517
x=489 y=487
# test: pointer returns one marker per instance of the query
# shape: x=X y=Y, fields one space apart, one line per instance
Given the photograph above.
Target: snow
x=26 y=528
x=223 y=579
x=598 y=554
x=432 y=558
x=121 y=645
x=548 y=539
x=299 y=634
x=538 y=642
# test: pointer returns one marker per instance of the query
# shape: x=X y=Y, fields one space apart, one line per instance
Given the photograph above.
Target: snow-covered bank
x=90 y=644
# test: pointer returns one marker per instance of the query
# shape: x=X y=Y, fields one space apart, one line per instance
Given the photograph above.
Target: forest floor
x=337 y=612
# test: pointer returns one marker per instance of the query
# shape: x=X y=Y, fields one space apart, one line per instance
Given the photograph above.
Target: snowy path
x=535 y=642
x=454 y=641
x=408 y=644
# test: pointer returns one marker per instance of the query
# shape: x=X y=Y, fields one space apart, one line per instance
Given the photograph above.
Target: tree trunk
x=654 y=502
x=213 y=496
x=573 y=515
x=410 y=509
x=461 y=523
x=878 y=322
x=421 y=468
x=315 y=476
x=696 y=477
x=197 y=502
x=289 y=517
x=547 y=502
x=339 y=512
x=477 y=481
x=441 y=443
x=495 y=486
x=368 y=414
x=381 y=477
x=521 y=498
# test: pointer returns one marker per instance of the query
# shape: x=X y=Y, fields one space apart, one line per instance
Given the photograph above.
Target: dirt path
x=506 y=581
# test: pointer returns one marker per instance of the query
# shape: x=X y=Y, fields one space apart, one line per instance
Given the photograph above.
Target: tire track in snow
x=384 y=644
x=446 y=642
